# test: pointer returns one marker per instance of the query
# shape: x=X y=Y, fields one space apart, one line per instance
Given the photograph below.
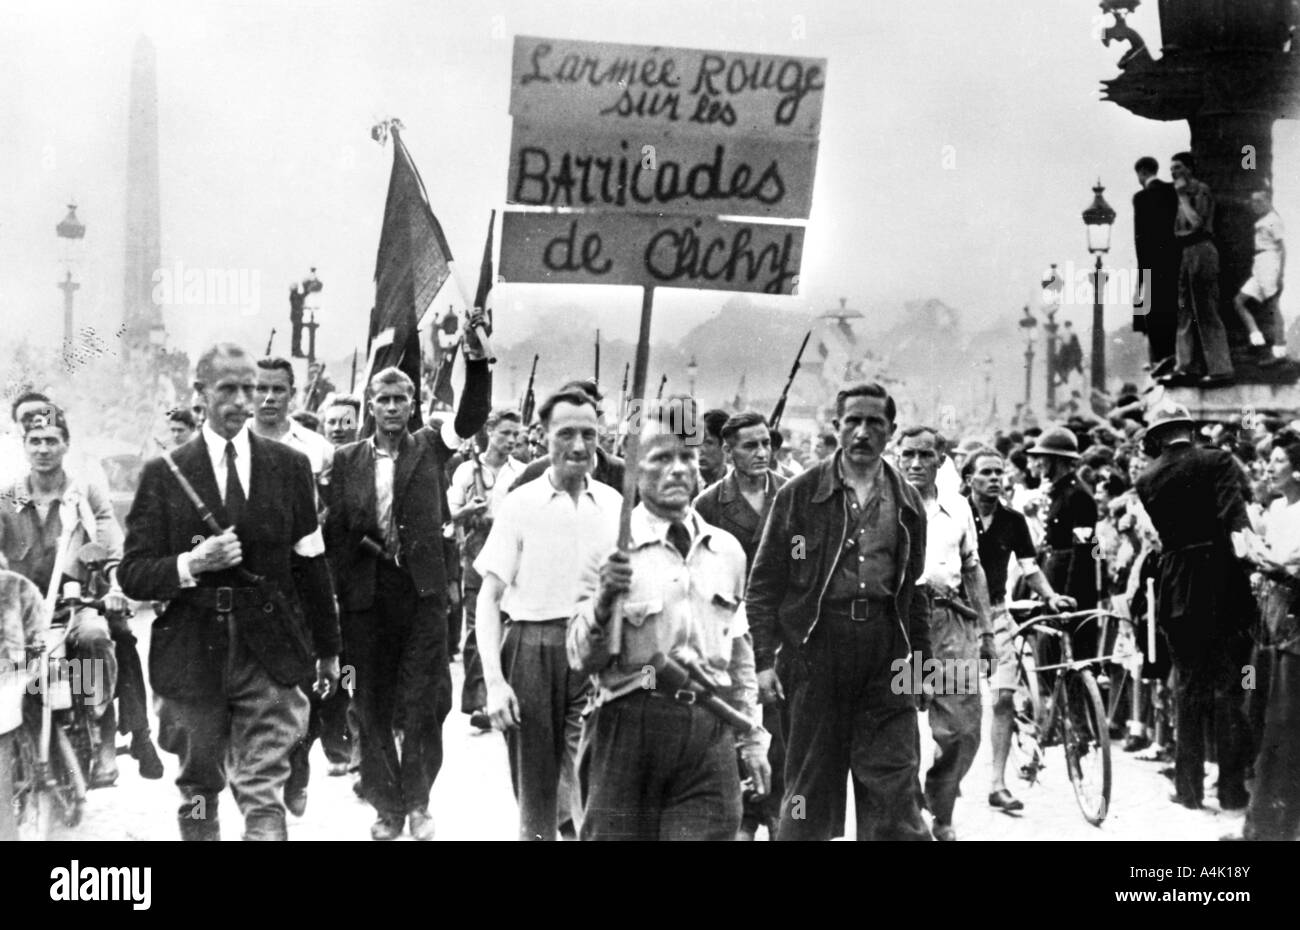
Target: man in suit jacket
x=739 y=504
x=1156 y=303
x=386 y=506
x=228 y=652
x=1204 y=603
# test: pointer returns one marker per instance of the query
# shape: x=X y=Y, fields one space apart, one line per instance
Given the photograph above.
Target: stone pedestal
x=1234 y=402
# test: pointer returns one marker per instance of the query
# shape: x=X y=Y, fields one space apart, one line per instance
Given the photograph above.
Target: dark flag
x=412 y=266
x=485 y=269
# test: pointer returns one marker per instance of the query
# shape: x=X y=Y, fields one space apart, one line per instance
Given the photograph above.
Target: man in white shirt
x=272 y=398
x=478 y=487
x=959 y=641
x=542 y=537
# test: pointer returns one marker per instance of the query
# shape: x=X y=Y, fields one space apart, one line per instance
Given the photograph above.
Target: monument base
x=1234 y=402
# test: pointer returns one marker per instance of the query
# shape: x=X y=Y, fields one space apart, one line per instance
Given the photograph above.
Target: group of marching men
x=711 y=662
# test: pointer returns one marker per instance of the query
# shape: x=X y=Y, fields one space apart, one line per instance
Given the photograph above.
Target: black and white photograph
x=651 y=420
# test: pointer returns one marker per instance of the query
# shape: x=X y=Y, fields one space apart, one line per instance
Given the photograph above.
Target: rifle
x=353 y=386
x=622 y=393
x=663 y=379
x=671 y=675
x=528 y=401
x=785 y=391
x=269 y=339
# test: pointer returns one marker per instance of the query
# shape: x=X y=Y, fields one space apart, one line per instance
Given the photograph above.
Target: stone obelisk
x=141 y=314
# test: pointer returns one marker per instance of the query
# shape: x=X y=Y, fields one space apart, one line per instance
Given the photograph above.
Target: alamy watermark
x=233 y=288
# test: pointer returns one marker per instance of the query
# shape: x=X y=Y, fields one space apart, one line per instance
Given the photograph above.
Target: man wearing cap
x=1203 y=602
x=1069 y=528
x=35 y=512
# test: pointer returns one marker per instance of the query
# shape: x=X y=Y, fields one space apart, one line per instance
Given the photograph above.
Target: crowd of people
x=713 y=662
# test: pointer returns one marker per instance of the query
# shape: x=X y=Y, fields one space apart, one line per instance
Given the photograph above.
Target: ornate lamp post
x=72 y=231
x=1098 y=218
x=1029 y=326
x=1052 y=286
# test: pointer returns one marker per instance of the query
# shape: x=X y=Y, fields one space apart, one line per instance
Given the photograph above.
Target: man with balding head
x=250 y=609
x=654 y=763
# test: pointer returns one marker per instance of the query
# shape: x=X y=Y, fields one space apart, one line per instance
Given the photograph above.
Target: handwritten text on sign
x=674 y=251
x=732 y=176
x=596 y=83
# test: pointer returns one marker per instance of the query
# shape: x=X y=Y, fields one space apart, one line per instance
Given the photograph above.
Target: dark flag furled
x=413 y=264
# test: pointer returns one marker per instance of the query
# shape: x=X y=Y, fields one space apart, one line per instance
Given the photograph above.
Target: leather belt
x=224 y=600
x=681 y=696
x=860 y=609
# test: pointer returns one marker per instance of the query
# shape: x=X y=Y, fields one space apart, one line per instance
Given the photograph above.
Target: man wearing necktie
x=249 y=610
x=654 y=764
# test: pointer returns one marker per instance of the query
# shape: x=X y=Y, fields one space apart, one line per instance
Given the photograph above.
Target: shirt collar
x=549 y=477
x=648 y=528
x=217 y=445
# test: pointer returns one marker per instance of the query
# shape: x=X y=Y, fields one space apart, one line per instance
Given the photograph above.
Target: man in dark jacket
x=1204 y=604
x=834 y=585
x=228 y=652
x=1155 y=302
x=386 y=506
x=739 y=504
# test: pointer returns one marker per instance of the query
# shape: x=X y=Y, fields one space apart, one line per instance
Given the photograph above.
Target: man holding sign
x=655 y=762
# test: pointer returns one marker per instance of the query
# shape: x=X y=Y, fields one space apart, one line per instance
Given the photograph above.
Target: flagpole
x=465 y=297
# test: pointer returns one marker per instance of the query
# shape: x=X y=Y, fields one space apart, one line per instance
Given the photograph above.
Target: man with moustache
x=654 y=764
x=835 y=586
x=383 y=528
x=531 y=565
x=248 y=611
x=328 y=718
x=739 y=504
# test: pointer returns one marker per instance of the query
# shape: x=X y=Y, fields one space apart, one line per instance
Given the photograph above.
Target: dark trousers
x=246 y=736
x=1162 y=312
x=650 y=768
x=846 y=718
x=403 y=683
x=132 y=698
x=955 y=712
x=1274 y=812
x=1208 y=692
x=473 y=692
x=543 y=749
x=1202 y=343
x=8 y=759
x=327 y=722
x=767 y=812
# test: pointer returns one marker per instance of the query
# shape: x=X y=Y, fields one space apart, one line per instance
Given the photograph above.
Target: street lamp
x=1029 y=325
x=71 y=231
x=1052 y=286
x=692 y=369
x=1098 y=218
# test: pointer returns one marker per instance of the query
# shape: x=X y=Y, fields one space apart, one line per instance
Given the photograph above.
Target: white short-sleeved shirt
x=951 y=543
x=540 y=543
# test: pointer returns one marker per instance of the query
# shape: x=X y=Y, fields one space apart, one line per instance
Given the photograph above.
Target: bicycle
x=1072 y=717
x=56 y=748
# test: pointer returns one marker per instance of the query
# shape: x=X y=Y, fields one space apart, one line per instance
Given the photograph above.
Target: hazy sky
x=267 y=165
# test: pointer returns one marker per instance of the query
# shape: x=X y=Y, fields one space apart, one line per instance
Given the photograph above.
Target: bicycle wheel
x=33 y=803
x=1026 y=743
x=1086 y=739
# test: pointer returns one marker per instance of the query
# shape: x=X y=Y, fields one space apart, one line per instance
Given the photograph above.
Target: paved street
x=472 y=799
